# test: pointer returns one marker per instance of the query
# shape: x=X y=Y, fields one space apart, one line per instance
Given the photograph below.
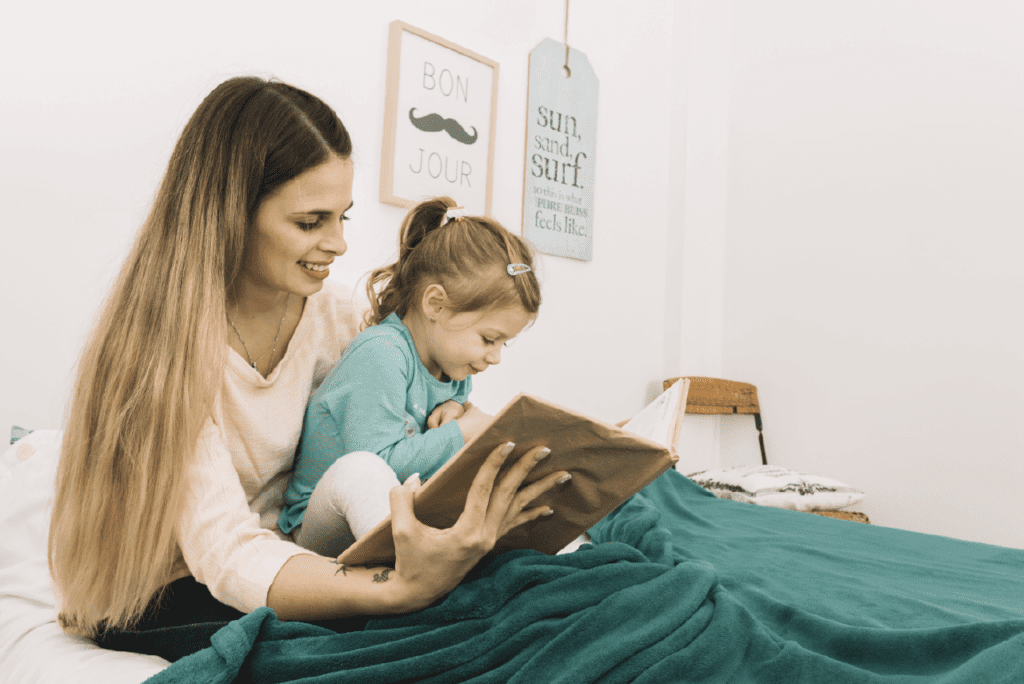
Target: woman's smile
x=315 y=270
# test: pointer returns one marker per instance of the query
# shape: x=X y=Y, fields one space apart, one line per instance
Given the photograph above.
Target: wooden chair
x=717 y=396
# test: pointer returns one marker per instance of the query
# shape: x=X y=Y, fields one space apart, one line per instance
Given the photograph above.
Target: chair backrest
x=717 y=396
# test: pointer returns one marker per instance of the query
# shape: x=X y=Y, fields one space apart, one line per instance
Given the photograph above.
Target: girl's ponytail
x=396 y=293
x=468 y=256
x=424 y=218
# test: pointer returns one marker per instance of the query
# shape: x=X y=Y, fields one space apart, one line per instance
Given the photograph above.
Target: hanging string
x=568 y=71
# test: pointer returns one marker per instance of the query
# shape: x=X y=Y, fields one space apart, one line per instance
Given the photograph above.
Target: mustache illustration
x=431 y=123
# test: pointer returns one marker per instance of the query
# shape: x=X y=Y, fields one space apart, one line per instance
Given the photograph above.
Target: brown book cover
x=608 y=465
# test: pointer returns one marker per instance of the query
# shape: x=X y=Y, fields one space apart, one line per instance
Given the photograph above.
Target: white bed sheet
x=33 y=649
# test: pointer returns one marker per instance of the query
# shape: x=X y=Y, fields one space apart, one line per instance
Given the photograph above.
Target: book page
x=659 y=420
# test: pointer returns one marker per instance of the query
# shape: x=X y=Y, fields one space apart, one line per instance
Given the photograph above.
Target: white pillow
x=33 y=649
x=27 y=470
x=778 y=487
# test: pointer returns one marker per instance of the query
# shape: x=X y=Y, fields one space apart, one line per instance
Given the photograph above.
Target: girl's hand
x=473 y=422
x=431 y=562
x=445 y=413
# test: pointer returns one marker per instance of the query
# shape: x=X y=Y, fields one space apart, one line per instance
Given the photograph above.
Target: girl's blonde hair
x=154 y=362
x=467 y=256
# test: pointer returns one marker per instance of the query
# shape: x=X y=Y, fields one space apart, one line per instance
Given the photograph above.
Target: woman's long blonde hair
x=151 y=370
x=468 y=256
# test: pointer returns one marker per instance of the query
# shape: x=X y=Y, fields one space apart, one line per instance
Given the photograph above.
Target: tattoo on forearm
x=382 y=576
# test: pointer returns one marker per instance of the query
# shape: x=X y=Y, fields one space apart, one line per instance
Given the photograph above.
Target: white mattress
x=33 y=649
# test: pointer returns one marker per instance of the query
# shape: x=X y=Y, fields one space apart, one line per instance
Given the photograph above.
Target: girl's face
x=459 y=345
x=299 y=230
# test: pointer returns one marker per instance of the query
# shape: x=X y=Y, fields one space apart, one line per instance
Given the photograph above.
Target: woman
x=178 y=446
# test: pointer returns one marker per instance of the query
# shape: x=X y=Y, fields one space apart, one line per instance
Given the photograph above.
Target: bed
x=678 y=586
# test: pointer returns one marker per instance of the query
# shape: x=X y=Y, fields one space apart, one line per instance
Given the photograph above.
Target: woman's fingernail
x=414 y=475
x=508 y=448
x=543 y=453
x=550 y=511
x=565 y=478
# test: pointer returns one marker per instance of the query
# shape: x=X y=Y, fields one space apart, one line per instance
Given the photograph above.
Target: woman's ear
x=433 y=301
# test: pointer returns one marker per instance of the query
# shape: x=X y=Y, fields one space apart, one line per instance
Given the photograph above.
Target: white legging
x=348 y=501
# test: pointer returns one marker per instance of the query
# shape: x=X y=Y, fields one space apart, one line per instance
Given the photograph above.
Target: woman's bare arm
x=316 y=588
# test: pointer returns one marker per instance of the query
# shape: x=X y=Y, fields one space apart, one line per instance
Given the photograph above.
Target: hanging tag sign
x=561 y=139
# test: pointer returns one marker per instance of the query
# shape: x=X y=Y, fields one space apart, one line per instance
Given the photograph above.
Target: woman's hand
x=445 y=413
x=430 y=562
x=473 y=422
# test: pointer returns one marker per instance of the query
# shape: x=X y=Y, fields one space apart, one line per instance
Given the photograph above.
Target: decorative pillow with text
x=778 y=487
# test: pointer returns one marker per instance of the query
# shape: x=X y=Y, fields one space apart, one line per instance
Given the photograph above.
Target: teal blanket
x=679 y=587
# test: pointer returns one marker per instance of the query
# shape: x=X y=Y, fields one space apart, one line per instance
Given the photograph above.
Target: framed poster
x=439 y=117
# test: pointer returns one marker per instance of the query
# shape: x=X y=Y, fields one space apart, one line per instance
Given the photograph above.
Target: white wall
x=821 y=198
x=697 y=206
x=873 y=282
x=88 y=119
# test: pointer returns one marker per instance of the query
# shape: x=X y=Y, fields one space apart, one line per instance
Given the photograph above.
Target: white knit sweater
x=228 y=534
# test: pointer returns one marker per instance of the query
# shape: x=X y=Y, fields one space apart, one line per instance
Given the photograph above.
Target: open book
x=608 y=465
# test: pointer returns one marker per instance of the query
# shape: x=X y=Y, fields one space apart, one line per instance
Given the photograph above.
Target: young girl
x=396 y=404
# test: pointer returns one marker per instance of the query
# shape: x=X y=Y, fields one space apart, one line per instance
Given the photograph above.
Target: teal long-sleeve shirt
x=377 y=398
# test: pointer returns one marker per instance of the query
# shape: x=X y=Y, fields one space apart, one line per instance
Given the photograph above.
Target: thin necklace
x=273 y=347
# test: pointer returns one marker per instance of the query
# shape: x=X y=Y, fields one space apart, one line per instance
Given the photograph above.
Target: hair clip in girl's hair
x=453 y=214
x=517 y=269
